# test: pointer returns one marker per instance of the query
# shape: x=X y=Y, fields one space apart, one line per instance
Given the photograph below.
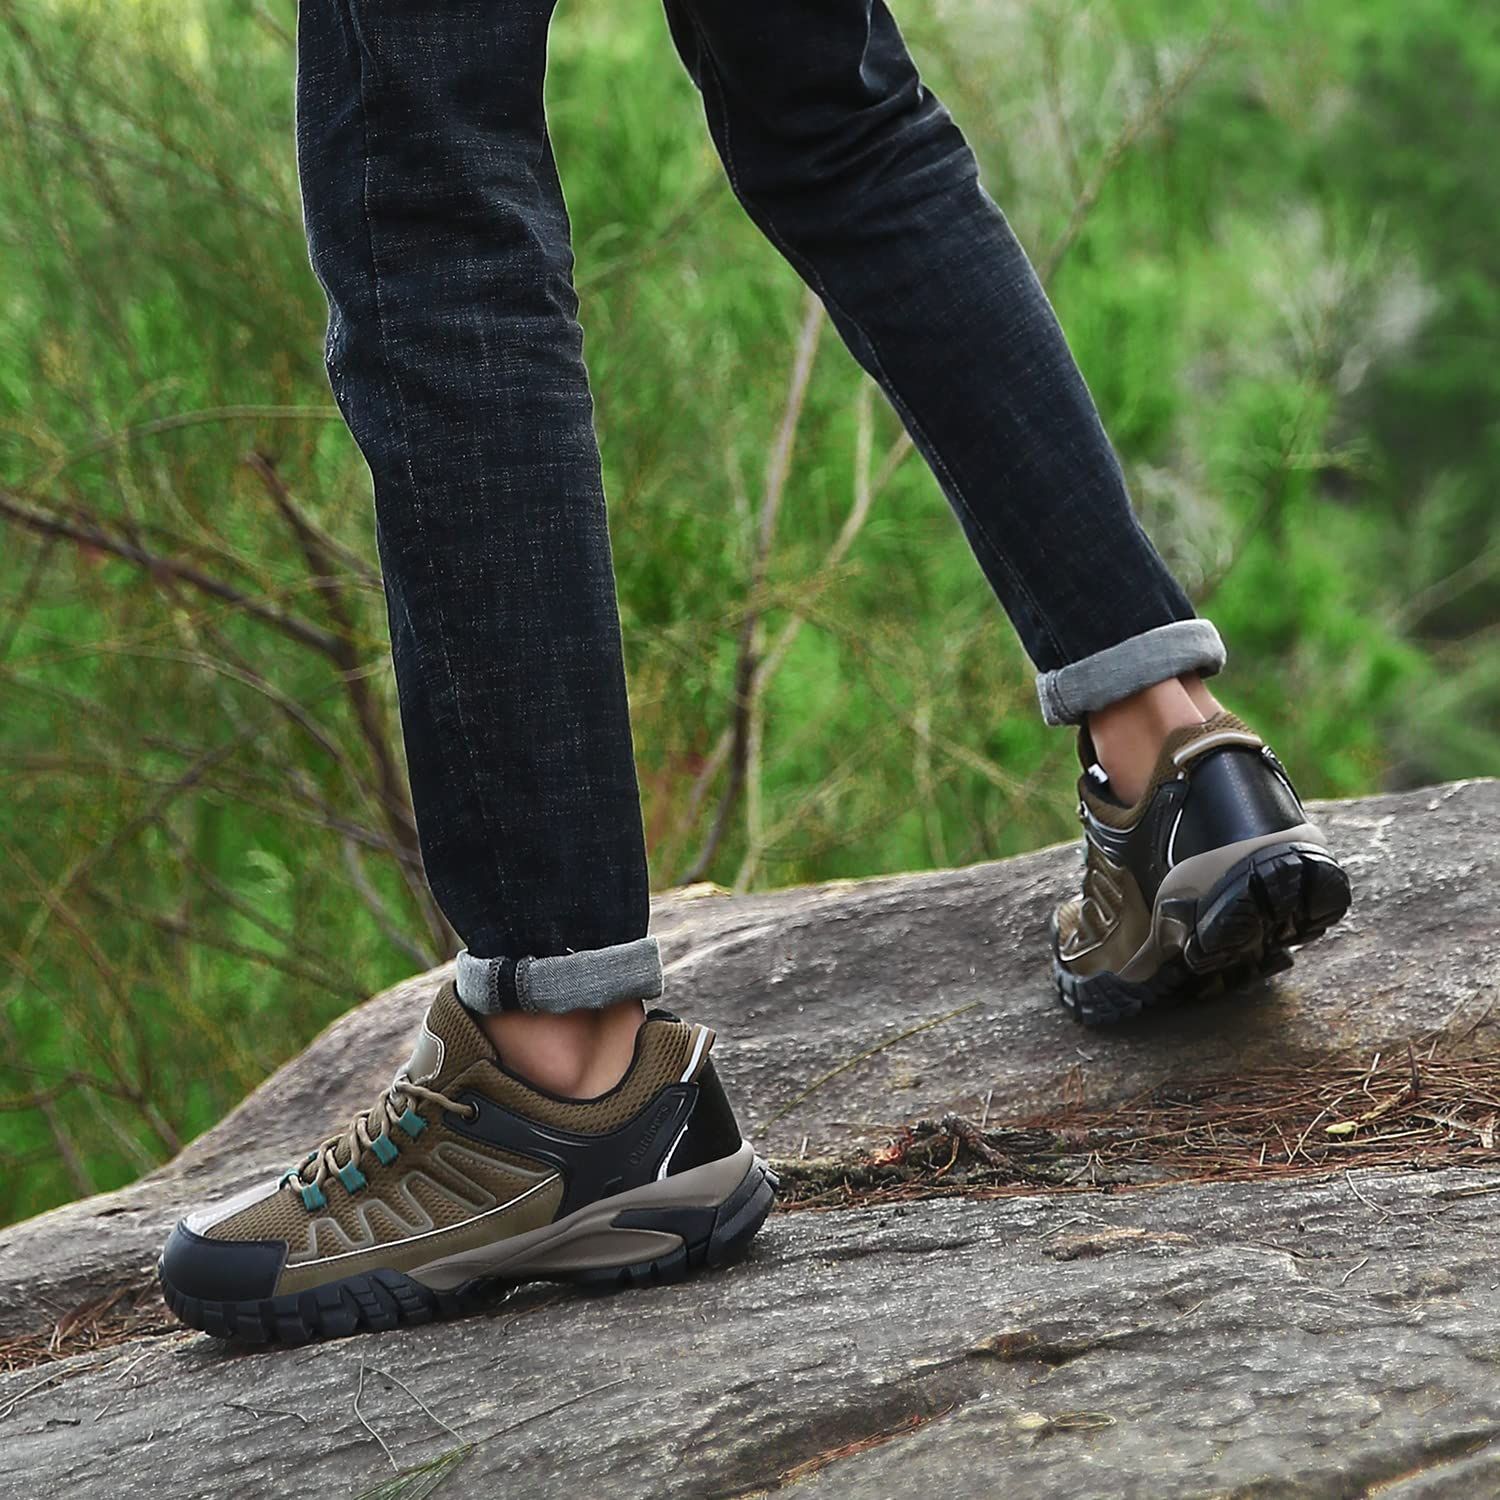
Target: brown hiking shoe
x=1206 y=881
x=462 y=1177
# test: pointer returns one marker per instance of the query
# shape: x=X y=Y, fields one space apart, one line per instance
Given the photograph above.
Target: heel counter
x=712 y=1132
x=1233 y=795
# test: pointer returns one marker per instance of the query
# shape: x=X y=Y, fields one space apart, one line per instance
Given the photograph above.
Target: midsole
x=1198 y=875
x=1192 y=880
x=587 y=1238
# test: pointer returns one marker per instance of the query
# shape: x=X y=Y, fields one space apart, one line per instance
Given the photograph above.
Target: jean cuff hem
x=588 y=980
x=1168 y=651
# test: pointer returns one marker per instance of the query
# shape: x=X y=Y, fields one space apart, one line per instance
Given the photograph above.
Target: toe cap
x=222 y=1270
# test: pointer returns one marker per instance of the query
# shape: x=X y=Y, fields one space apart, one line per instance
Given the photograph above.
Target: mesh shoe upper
x=461 y=1177
x=431 y=1175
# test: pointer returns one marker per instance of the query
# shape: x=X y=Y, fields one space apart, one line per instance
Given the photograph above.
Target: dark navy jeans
x=438 y=231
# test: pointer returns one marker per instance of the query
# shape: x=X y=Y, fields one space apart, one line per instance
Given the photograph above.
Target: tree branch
x=92 y=533
x=778 y=469
x=1130 y=132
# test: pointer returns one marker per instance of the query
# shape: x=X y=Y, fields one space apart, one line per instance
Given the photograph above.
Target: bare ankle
x=1128 y=735
x=579 y=1054
x=1203 y=700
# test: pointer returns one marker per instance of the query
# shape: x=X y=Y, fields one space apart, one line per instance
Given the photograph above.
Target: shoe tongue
x=450 y=1041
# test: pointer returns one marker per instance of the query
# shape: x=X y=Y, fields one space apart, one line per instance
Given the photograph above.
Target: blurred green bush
x=1269 y=230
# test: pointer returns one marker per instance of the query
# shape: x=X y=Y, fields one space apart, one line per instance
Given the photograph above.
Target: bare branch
x=866 y=492
x=26 y=598
x=778 y=468
x=200 y=936
x=1154 y=111
x=91 y=533
x=54 y=906
x=312 y=536
x=62 y=1142
x=424 y=958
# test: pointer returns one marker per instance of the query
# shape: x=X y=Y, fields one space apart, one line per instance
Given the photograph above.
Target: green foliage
x=1269 y=230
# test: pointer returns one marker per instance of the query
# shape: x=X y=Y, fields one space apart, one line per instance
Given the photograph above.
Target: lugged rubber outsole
x=382 y=1300
x=1274 y=899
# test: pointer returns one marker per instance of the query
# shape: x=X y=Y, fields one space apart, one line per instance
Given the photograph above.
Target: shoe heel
x=710 y=1236
x=1274 y=899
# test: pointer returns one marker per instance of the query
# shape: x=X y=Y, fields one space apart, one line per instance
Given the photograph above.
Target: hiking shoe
x=463 y=1177
x=1204 y=883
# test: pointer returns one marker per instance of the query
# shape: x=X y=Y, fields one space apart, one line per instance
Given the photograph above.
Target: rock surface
x=801 y=982
x=1301 y=1338
x=1309 y=1339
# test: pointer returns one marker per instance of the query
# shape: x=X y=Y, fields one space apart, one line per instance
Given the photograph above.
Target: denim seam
x=1056 y=694
x=903 y=407
x=366 y=114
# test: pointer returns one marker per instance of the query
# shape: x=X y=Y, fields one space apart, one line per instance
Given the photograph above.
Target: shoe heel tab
x=1228 y=737
x=700 y=1043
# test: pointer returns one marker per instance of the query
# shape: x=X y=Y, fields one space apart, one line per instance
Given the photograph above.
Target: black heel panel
x=712 y=1132
x=1232 y=795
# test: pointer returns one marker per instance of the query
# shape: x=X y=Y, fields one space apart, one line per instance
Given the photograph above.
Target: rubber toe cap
x=222 y=1270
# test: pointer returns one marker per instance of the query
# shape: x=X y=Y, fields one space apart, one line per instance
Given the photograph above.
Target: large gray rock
x=1317 y=1339
x=802 y=982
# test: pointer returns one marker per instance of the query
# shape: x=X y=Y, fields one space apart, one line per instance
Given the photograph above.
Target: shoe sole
x=1277 y=896
x=575 y=1250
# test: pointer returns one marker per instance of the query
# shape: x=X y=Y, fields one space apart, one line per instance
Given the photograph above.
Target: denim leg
x=438 y=230
x=860 y=177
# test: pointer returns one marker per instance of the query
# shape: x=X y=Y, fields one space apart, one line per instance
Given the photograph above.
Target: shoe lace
x=389 y=1110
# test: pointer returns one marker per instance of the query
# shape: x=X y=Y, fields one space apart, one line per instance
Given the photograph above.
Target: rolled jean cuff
x=1168 y=651
x=588 y=980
